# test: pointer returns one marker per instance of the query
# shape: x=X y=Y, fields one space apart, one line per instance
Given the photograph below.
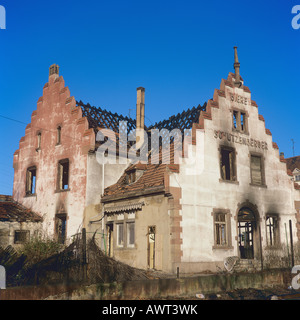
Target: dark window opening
x=60 y=227
x=21 y=236
x=228 y=164
x=63 y=175
x=58 y=135
x=31 y=181
x=243 y=121
x=272 y=230
x=39 y=140
x=235 y=119
x=239 y=121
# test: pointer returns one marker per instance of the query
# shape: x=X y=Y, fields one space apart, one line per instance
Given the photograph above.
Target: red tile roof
x=10 y=210
x=293 y=163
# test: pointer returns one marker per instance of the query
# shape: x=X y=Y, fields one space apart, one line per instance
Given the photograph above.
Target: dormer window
x=133 y=174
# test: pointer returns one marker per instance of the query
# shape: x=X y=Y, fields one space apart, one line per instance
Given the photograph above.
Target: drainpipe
x=261 y=249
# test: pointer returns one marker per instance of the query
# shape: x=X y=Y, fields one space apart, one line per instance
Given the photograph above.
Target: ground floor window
x=272 y=230
x=120 y=230
x=222 y=233
x=130 y=234
x=21 y=236
x=120 y=234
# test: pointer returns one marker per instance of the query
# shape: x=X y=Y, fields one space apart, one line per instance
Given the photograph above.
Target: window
x=272 y=230
x=39 y=140
x=297 y=178
x=120 y=234
x=58 y=135
x=243 y=122
x=220 y=229
x=228 y=170
x=239 y=121
x=31 y=181
x=256 y=167
x=21 y=236
x=60 y=227
x=63 y=175
x=130 y=234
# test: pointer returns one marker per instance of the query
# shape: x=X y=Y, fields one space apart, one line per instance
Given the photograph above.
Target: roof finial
x=236 y=66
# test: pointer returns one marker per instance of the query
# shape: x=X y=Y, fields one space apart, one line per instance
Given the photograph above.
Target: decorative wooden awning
x=124 y=208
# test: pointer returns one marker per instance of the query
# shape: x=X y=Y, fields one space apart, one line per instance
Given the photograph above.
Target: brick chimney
x=140 y=116
x=236 y=65
x=53 y=71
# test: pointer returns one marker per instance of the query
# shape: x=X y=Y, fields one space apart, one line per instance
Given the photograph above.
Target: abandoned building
x=17 y=223
x=233 y=200
x=293 y=166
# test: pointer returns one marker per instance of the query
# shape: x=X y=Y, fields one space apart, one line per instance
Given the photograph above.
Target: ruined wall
x=55 y=108
x=206 y=192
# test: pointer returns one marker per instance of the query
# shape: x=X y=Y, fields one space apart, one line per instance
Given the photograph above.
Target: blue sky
x=178 y=50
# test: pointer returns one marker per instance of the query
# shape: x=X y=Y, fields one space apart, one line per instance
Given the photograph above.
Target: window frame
x=21 y=241
x=227 y=227
x=118 y=233
x=237 y=116
x=275 y=233
x=262 y=170
x=60 y=175
x=232 y=165
x=30 y=182
x=128 y=234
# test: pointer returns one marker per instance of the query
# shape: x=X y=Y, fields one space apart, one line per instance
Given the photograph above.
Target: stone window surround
x=228 y=217
x=263 y=176
x=239 y=129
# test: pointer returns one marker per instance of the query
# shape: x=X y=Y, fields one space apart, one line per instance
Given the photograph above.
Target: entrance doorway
x=110 y=239
x=246 y=229
x=151 y=247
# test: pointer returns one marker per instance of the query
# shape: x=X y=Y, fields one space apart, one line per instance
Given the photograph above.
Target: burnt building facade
x=227 y=194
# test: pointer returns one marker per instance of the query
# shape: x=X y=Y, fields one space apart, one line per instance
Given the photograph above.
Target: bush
x=39 y=248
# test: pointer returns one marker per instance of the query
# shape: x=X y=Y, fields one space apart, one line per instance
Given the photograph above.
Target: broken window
x=120 y=234
x=228 y=171
x=21 y=236
x=243 y=122
x=239 y=120
x=130 y=234
x=60 y=227
x=235 y=119
x=63 y=174
x=272 y=230
x=31 y=181
x=256 y=167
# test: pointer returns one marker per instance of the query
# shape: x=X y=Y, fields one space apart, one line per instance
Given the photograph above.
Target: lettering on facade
x=239 y=99
x=235 y=138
